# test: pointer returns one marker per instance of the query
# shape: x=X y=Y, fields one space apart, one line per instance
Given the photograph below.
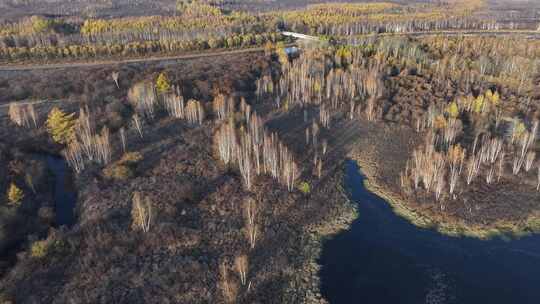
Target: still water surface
x=384 y=259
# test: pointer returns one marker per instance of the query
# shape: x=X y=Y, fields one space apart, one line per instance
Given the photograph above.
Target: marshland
x=180 y=152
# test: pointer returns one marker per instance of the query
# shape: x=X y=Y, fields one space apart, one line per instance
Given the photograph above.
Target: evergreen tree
x=15 y=195
x=162 y=84
x=453 y=110
x=61 y=126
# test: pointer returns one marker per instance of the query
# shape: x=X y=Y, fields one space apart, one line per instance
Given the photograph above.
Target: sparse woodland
x=215 y=171
x=192 y=177
x=206 y=180
x=482 y=133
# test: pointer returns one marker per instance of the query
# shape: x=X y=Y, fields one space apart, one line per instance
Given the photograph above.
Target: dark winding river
x=384 y=259
x=63 y=188
x=64 y=195
x=65 y=198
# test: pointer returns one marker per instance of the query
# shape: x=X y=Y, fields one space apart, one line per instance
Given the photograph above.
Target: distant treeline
x=201 y=25
x=83 y=51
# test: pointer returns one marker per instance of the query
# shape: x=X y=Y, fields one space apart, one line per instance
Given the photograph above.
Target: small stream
x=64 y=195
x=383 y=258
x=62 y=187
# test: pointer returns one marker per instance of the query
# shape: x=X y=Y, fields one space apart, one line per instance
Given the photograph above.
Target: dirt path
x=35 y=102
x=27 y=67
x=530 y=33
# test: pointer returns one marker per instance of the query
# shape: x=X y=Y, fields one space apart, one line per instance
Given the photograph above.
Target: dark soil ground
x=198 y=226
x=197 y=201
x=95 y=84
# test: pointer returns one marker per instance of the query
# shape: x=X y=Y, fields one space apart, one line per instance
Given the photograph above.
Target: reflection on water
x=383 y=258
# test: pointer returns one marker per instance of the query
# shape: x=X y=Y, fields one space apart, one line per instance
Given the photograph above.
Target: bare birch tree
x=103 y=146
x=123 y=139
x=74 y=156
x=245 y=160
x=138 y=124
x=143 y=98
x=538 y=185
x=141 y=212
x=250 y=214
x=194 y=112
x=18 y=114
x=228 y=287
x=174 y=105
x=114 y=76
x=529 y=160
x=33 y=114
x=241 y=264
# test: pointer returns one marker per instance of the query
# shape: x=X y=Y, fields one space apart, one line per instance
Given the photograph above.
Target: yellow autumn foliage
x=61 y=126
x=163 y=84
x=14 y=194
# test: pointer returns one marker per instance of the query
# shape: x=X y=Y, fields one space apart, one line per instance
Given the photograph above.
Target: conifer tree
x=61 y=126
x=163 y=84
x=15 y=195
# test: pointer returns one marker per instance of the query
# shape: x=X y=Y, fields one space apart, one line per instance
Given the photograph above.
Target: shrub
x=57 y=247
x=131 y=158
x=118 y=172
x=40 y=24
x=116 y=111
x=39 y=249
x=124 y=168
x=304 y=187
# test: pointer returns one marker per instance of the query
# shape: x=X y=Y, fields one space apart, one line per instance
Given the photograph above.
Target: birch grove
x=306 y=81
x=175 y=105
x=194 y=112
x=87 y=146
x=487 y=156
x=255 y=150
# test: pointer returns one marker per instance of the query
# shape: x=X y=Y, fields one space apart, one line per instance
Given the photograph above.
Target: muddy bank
x=306 y=285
